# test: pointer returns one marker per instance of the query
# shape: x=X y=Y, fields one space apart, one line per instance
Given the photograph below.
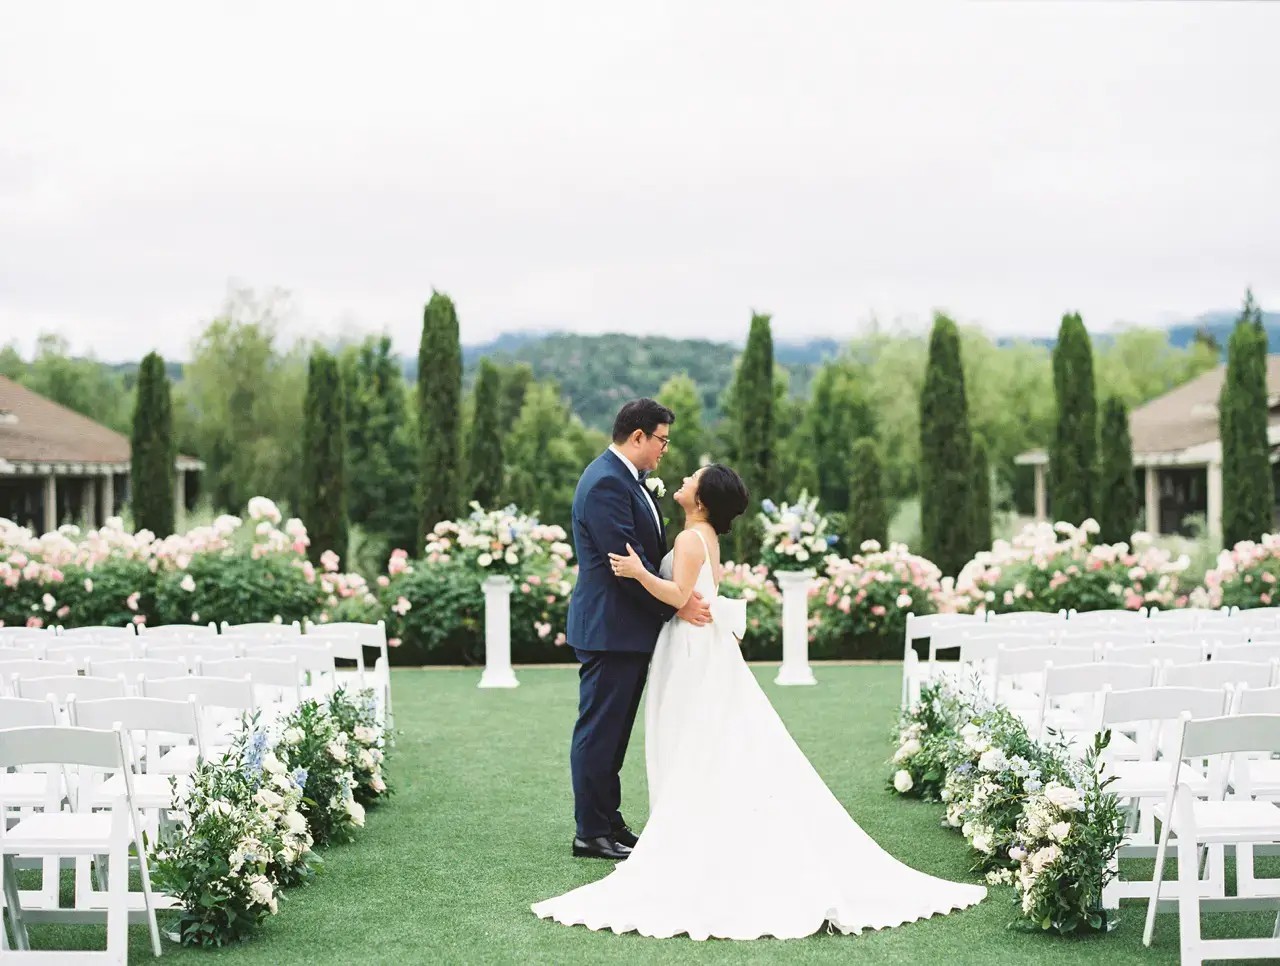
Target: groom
x=614 y=623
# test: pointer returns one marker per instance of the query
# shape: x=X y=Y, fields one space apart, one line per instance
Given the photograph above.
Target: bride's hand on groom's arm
x=628 y=566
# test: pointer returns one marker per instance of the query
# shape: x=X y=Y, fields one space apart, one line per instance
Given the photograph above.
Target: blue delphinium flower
x=768 y=506
x=253 y=753
x=299 y=777
x=832 y=539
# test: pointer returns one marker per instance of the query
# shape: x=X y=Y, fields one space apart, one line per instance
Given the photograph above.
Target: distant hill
x=1220 y=324
x=599 y=372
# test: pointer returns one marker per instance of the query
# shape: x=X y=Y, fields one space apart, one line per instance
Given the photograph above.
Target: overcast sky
x=637 y=167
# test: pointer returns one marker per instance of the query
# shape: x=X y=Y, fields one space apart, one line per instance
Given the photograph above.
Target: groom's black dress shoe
x=600 y=847
x=624 y=836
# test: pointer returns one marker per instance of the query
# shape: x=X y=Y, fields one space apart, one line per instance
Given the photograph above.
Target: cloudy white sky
x=638 y=167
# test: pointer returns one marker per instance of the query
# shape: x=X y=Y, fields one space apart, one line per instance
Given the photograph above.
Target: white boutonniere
x=656 y=486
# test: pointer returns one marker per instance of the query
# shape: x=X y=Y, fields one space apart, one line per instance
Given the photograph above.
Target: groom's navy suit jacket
x=611 y=509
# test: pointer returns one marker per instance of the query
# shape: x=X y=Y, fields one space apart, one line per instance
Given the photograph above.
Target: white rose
x=272 y=764
x=982 y=842
x=902 y=781
x=1059 y=831
x=366 y=760
x=295 y=822
x=337 y=751
x=379 y=786
x=267 y=798
x=993 y=759
x=261 y=891
x=484 y=560
x=292 y=736
x=236 y=861
x=1044 y=857
x=511 y=559
x=802 y=555
x=1017 y=853
x=910 y=748
x=188 y=583
x=366 y=735
x=356 y=811
x=221 y=808
x=1063 y=797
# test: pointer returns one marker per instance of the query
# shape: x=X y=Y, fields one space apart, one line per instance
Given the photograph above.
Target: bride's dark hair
x=725 y=496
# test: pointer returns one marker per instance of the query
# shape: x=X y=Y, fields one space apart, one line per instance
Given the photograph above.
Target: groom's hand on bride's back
x=696 y=610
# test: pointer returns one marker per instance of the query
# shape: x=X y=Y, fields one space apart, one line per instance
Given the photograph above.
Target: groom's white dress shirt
x=653 y=506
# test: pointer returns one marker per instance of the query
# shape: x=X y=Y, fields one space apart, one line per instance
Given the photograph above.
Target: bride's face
x=687 y=496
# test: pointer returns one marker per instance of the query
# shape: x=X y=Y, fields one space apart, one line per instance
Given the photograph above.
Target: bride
x=744 y=839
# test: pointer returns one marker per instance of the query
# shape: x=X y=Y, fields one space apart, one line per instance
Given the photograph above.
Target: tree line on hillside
x=370 y=461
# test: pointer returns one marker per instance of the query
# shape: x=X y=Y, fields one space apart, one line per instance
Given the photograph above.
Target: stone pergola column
x=179 y=496
x=89 y=502
x=1213 y=502
x=1042 y=494
x=108 y=494
x=50 y=503
x=1151 y=498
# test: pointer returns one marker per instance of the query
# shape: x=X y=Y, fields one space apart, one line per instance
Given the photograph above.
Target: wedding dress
x=744 y=839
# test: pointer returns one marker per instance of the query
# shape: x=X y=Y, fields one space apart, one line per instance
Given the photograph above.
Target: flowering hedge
x=863 y=603
x=1245 y=576
x=1051 y=567
x=1035 y=816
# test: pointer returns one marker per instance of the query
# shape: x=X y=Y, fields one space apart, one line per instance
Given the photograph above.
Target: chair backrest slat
x=1229 y=735
x=61 y=745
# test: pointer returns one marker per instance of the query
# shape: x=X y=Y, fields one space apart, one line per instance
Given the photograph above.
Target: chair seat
x=149 y=791
x=59 y=833
x=1150 y=779
x=1264 y=776
x=1231 y=821
x=182 y=759
x=25 y=788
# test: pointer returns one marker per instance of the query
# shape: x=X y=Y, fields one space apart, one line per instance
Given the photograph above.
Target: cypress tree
x=1117 y=489
x=1073 y=454
x=688 y=443
x=981 y=496
x=1247 y=489
x=753 y=414
x=484 y=454
x=152 y=450
x=946 y=454
x=867 y=517
x=324 y=461
x=439 y=414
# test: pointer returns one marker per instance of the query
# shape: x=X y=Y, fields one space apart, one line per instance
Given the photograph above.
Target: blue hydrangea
x=299 y=777
x=768 y=506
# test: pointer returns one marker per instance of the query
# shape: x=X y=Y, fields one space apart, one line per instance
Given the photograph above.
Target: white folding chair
x=1071 y=701
x=192 y=652
x=23 y=792
x=9 y=670
x=1256 y=777
x=36 y=636
x=1219 y=674
x=1195 y=825
x=1104 y=637
x=260 y=628
x=180 y=632
x=82 y=654
x=99 y=632
x=21 y=652
x=134 y=669
x=221 y=703
x=1251 y=651
x=1019 y=676
x=276 y=682
x=919 y=627
x=1159 y=653
x=1116 y=616
x=59 y=688
x=1149 y=714
x=374 y=637
x=77 y=832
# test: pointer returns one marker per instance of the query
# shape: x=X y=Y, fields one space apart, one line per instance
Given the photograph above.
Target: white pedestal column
x=795 y=669
x=497 y=634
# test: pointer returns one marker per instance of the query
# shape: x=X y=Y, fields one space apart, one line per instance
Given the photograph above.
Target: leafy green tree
x=152 y=475
x=1247 y=487
x=1073 y=454
x=484 y=450
x=439 y=413
x=324 y=458
x=981 y=491
x=753 y=420
x=946 y=454
x=1117 y=488
x=688 y=437
x=867 y=516
x=549 y=448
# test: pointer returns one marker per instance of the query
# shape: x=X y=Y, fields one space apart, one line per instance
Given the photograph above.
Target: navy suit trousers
x=609 y=687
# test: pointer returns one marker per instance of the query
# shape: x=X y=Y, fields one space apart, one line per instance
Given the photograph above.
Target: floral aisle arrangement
x=870 y=596
x=1244 y=576
x=1035 y=816
x=498 y=542
x=794 y=535
x=1052 y=567
x=248 y=821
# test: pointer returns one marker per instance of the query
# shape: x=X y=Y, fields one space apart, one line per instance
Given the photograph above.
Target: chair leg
x=118 y=895
x=1156 y=879
x=1189 y=901
x=13 y=903
x=144 y=873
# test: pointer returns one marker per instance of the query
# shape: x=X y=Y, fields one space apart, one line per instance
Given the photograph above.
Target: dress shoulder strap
x=705 y=549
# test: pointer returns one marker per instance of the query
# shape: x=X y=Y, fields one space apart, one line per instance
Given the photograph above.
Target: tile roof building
x=58 y=466
x=1177 y=453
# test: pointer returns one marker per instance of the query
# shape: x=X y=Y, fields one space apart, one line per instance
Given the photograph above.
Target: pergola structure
x=58 y=466
x=1177 y=453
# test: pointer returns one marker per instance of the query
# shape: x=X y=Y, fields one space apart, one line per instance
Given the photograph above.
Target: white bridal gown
x=744 y=839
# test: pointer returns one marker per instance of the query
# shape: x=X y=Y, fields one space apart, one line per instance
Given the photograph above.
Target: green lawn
x=481 y=825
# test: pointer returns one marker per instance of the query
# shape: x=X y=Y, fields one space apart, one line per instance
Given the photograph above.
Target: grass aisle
x=481 y=823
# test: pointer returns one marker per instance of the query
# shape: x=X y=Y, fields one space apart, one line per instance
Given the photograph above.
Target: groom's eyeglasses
x=665 y=440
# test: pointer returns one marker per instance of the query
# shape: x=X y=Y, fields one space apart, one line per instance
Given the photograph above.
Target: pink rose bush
x=1051 y=567
x=1244 y=576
